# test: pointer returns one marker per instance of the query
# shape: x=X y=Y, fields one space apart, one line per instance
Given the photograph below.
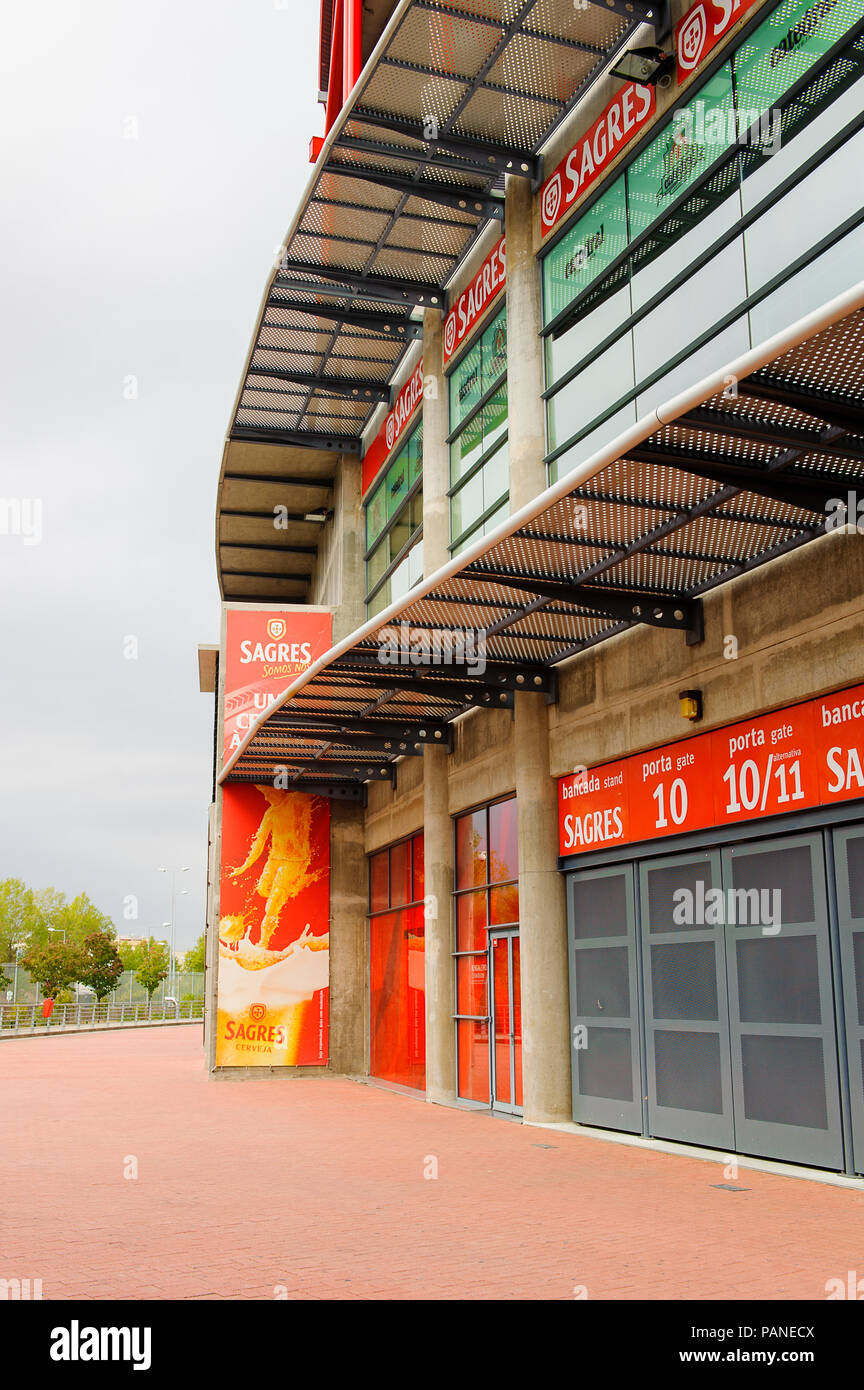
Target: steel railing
x=23 y=1018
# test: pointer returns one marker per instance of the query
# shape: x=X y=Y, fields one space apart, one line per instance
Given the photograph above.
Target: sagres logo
x=450 y=333
x=691 y=39
x=276 y=628
x=390 y=430
x=77 y=1343
x=552 y=200
x=257 y=1012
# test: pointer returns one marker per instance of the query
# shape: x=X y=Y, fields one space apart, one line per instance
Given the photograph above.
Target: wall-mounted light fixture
x=690 y=702
x=649 y=66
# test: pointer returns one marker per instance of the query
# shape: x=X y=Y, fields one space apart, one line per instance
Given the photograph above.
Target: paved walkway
x=316 y=1189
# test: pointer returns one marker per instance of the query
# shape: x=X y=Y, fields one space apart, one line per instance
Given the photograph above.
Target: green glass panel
x=782 y=49
x=698 y=133
x=376 y=514
x=466 y=506
x=586 y=251
x=495 y=417
x=396 y=483
x=415 y=455
x=377 y=564
x=467 y=449
x=496 y=478
x=494 y=350
x=466 y=386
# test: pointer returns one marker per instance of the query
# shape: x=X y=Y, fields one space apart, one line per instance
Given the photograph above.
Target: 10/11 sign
x=811 y=754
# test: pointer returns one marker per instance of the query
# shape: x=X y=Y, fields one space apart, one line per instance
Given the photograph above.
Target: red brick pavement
x=318 y=1186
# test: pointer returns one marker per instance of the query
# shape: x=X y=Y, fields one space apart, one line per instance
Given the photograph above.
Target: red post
x=334 y=88
x=352 y=51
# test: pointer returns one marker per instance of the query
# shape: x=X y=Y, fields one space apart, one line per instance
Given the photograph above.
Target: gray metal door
x=781 y=1002
x=686 y=1017
x=604 y=998
x=849 y=868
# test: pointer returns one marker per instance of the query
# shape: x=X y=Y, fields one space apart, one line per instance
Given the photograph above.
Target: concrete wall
x=797 y=626
x=338 y=580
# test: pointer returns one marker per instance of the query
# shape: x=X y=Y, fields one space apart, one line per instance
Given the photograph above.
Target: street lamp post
x=172 y=874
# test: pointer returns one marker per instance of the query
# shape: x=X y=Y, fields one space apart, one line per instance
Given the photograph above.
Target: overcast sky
x=152 y=157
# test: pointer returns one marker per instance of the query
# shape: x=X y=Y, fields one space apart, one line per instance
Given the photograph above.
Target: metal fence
x=179 y=984
x=27 y=1018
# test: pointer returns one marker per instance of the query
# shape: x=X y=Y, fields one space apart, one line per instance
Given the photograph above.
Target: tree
x=153 y=968
x=133 y=957
x=194 y=958
x=54 y=967
x=18 y=917
x=78 y=919
x=100 y=965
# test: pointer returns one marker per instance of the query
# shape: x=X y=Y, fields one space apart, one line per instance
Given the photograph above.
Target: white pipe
x=832 y=312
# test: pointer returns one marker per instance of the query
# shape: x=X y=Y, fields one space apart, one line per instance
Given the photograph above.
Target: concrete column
x=440 y=1000
x=349 y=612
x=349 y=955
x=525 y=383
x=436 y=451
x=542 y=921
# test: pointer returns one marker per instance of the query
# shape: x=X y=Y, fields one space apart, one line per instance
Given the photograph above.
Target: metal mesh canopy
x=455 y=96
x=712 y=485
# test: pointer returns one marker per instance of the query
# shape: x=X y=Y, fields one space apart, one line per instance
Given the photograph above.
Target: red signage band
x=702 y=28
x=265 y=650
x=475 y=299
x=393 y=428
x=627 y=113
x=804 y=756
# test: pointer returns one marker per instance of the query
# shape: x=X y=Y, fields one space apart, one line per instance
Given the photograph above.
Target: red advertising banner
x=808 y=755
x=627 y=113
x=274 y=880
x=274 y=942
x=393 y=428
x=264 y=650
x=702 y=28
x=475 y=299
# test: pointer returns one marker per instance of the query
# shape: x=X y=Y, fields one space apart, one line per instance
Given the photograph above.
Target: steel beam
x=812 y=492
x=844 y=412
x=476 y=202
x=494 y=676
x=388 y=288
x=301 y=439
x=350 y=386
x=337 y=791
x=656 y=610
x=388 y=325
x=431 y=731
x=286 y=763
x=495 y=157
x=363 y=743
x=469 y=160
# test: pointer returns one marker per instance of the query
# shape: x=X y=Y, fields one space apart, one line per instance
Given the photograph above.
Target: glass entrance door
x=686 y=1016
x=781 y=1002
x=505 y=1032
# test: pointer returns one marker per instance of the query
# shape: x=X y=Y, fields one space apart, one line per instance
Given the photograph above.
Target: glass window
x=400 y=874
x=784 y=47
x=479 y=433
x=697 y=134
x=471 y=920
x=396 y=514
x=590 y=246
x=471 y=848
x=379 y=889
x=487 y=894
